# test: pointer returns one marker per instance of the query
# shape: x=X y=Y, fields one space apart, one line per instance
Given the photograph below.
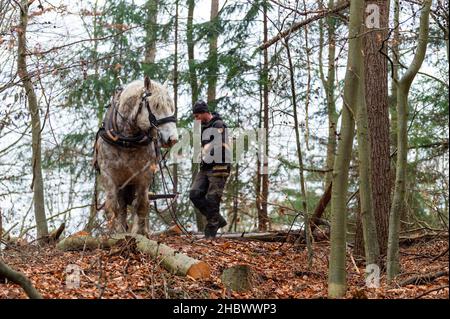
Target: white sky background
x=67 y=28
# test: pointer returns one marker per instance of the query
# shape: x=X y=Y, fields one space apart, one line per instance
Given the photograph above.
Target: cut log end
x=199 y=270
x=238 y=278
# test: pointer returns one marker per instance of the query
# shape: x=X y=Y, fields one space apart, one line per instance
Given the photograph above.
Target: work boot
x=222 y=221
x=213 y=226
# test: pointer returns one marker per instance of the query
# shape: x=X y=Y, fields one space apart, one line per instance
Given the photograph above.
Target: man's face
x=203 y=117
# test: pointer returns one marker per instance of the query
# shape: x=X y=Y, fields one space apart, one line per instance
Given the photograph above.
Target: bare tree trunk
x=200 y=219
x=358 y=248
x=377 y=100
x=175 y=99
x=213 y=69
x=395 y=55
x=329 y=90
x=235 y=198
x=306 y=219
x=337 y=277
x=329 y=86
x=371 y=249
x=151 y=28
x=38 y=183
x=403 y=86
x=191 y=51
x=263 y=215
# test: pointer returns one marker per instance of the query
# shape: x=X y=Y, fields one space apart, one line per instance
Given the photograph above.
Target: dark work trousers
x=206 y=194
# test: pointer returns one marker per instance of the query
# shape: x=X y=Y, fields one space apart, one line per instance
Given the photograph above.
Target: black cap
x=200 y=107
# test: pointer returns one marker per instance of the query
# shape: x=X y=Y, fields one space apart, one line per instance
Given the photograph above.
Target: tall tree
x=306 y=219
x=371 y=248
x=190 y=42
x=337 y=275
x=33 y=107
x=403 y=86
x=213 y=68
x=151 y=31
x=329 y=89
x=263 y=215
x=175 y=94
x=377 y=100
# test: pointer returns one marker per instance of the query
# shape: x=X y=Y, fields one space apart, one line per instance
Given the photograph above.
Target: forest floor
x=280 y=271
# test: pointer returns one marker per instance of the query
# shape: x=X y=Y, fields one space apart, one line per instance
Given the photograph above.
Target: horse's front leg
x=141 y=207
x=116 y=212
x=121 y=225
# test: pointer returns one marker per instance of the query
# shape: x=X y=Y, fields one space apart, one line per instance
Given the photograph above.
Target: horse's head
x=155 y=109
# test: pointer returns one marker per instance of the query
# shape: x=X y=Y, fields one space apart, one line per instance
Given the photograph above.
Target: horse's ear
x=165 y=84
x=147 y=83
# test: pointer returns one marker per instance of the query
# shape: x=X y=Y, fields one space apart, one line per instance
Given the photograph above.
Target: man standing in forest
x=207 y=187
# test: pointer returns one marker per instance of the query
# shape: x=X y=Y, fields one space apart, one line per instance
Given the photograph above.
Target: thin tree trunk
x=377 y=101
x=151 y=28
x=175 y=99
x=258 y=162
x=263 y=215
x=337 y=277
x=395 y=55
x=235 y=198
x=306 y=219
x=191 y=51
x=329 y=86
x=358 y=248
x=200 y=219
x=212 y=58
x=371 y=249
x=38 y=183
x=403 y=87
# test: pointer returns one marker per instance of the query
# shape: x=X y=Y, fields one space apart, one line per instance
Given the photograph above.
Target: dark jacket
x=210 y=130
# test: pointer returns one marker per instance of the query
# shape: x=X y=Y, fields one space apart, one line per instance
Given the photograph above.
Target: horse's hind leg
x=141 y=206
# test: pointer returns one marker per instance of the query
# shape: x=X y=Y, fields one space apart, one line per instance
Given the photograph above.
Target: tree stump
x=238 y=278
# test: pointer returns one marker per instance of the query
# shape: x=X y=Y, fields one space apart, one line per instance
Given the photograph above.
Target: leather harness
x=110 y=133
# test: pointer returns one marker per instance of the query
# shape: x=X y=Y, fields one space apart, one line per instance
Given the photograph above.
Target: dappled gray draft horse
x=139 y=121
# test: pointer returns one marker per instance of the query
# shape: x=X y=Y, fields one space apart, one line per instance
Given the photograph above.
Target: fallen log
x=423 y=279
x=20 y=279
x=413 y=239
x=272 y=236
x=172 y=260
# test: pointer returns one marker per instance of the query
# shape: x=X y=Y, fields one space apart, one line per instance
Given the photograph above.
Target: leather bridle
x=110 y=133
x=152 y=118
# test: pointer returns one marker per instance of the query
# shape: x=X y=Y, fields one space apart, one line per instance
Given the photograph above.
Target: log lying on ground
x=280 y=236
x=423 y=279
x=415 y=238
x=172 y=260
x=20 y=279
